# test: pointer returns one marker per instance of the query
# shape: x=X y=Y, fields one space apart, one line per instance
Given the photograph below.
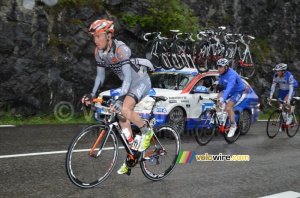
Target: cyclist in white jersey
x=286 y=90
x=114 y=54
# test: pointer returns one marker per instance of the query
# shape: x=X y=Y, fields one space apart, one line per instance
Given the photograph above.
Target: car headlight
x=145 y=104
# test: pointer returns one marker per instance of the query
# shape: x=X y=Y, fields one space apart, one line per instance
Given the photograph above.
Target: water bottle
x=127 y=135
x=219 y=114
x=292 y=109
x=136 y=142
x=284 y=115
x=224 y=116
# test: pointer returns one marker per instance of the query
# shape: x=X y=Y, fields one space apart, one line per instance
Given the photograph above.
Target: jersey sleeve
x=98 y=80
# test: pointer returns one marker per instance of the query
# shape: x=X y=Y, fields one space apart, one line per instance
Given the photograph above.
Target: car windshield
x=176 y=81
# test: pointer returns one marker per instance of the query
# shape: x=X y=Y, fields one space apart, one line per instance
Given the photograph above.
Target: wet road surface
x=40 y=169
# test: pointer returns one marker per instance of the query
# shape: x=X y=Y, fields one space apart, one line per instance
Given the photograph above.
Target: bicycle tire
x=248 y=66
x=235 y=64
x=236 y=135
x=152 y=53
x=160 y=158
x=293 y=128
x=204 y=132
x=85 y=170
x=179 y=49
x=244 y=122
x=166 y=53
x=202 y=60
x=276 y=120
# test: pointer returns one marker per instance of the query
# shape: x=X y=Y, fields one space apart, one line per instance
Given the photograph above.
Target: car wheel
x=245 y=122
x=177 y=118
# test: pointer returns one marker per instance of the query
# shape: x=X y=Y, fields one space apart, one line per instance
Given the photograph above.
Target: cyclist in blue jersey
x=286 y=90
x=233 y=90
x=116 y=55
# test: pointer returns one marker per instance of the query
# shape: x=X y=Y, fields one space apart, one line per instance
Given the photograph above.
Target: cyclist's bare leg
x=229 y=108
x=135 y=118
x=218 y=98
x=127 y=112
x=289 y=106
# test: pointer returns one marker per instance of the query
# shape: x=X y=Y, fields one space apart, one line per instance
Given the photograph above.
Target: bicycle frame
x=112 y=123
x=246 y=52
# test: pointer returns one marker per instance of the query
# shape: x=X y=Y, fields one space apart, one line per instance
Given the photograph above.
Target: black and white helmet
x=280 y=67
x=222 y=62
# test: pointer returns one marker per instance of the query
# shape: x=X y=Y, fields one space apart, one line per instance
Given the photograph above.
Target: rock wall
x=46 y=55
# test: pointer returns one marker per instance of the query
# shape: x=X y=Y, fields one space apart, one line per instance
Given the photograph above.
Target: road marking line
x=7 y=125
x=287 y=194
x=49 y=153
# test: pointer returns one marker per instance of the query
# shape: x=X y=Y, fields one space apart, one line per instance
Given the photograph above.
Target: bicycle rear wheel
x=293 y=128
x=274 y=124
x=84 y=168
x=204 y=131
x=160 y=158
x=235 y=64
x=248 y=66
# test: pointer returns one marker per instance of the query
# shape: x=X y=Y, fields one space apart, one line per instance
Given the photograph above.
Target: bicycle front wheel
x=160 y=158
x=274 y=124
x=205 y=131
x=293 y=128
x=91 y=156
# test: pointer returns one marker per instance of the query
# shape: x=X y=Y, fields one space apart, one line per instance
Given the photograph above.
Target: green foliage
x=228 y=19
x=164 y=15
x=53 y=40
x=10 y=119
x=260 y=48
x=77 y=21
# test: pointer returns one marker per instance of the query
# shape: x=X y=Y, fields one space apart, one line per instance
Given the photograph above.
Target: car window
x=207 y=82
x=168 y=80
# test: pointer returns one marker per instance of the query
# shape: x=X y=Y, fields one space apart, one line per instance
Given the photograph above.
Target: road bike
x=209 y=51
x=93 y=153
x=231 y=48
x=153 y=49
x=243 y=62
x=277 y=120
x=211 y=122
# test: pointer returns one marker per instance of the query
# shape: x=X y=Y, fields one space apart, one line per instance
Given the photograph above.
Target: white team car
x=184 y=104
